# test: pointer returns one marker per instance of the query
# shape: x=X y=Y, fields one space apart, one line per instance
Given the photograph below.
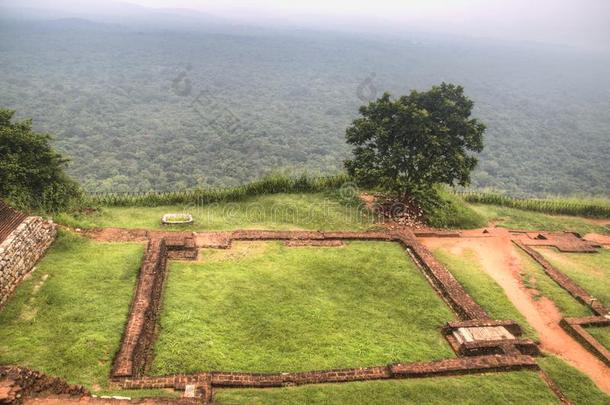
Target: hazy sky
x=578 y=22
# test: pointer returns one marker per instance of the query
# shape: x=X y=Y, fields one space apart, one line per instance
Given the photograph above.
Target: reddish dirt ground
x=603 y=240
x=499 y=259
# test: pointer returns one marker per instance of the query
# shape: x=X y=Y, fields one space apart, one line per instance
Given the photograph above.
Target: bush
x=32 y=174
x=444 y=209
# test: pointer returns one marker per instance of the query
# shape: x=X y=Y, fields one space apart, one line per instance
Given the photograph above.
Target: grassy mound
x=448 y=210
x=581 y=207
x=279 y=211
x=513 y=218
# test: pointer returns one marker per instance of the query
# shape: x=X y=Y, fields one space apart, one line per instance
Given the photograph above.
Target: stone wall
x=20 y=251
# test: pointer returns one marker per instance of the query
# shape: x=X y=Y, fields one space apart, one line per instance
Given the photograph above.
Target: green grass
x=67 y=319
x=513 y=218
x=535 y=278
x=520 y=387
x=265 y=307
x=590 y=270
x=575 y=385
x=467 y=269
x=581 y=207
x=450 y=211
x=602 y=334
x=279 y=211
x=271 y=184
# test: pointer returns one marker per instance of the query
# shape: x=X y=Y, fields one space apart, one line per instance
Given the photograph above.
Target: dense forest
x=162 y=110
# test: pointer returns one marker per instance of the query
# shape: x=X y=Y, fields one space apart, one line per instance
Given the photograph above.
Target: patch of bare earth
x=115 y=234
x=603 y=240
x=500 y=260
x=394 y=213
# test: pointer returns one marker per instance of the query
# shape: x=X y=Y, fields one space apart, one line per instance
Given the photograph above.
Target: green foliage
x=67 y=319
x=272 y=184
x=581 y=207
x=105 y=93
x=574 y=384
x=407 y=145
x=266 y=307
x=31 y=172
x=518 y=387
x=446 y=210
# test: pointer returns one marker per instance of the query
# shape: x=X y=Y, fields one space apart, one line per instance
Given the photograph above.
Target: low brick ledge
x=458 y=366
x=143 y=311
x=133 y=357
x=576 y=328
x=564 y=281
x=443 y=281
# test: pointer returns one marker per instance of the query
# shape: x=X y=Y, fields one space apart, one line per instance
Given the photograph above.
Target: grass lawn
x=277 y=211
x=535 y=278
x=265 y=307
x=520 y=387
x=602 y=334
x=590 y=270
x=466 y=268
x=528 y=220
x=68 y=317
x=575 y=385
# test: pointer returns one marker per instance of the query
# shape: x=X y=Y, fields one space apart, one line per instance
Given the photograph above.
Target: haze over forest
x=142 y=98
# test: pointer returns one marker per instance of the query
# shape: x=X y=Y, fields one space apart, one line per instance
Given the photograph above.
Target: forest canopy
x=146 y=110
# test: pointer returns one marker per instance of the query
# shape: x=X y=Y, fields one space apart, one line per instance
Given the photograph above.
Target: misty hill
x=138 y=108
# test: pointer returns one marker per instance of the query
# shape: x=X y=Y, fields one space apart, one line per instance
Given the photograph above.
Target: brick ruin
x=576 y=327
x=492 y=345
x=23 y=241
x=482 y=344
x=18 y=383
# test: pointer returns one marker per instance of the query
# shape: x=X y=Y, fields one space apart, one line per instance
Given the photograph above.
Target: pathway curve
x=499 y=258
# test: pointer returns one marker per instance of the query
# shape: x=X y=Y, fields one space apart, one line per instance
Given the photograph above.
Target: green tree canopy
x=407 y=145
x=32 y=174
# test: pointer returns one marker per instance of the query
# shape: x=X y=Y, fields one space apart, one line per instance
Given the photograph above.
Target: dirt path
x=500 y=260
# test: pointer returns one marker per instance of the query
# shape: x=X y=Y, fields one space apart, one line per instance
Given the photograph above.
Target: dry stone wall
x=20 y=251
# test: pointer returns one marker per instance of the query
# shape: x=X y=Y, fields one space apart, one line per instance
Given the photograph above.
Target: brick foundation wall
x=20 y=383
x=565 y=282
x=576 y=328
x=138 y=339
x=20 y=251
x=459 y=366
x=141 y=328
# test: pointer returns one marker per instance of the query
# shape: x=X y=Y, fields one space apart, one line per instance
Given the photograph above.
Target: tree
x=31 y=173
x=408 y=145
